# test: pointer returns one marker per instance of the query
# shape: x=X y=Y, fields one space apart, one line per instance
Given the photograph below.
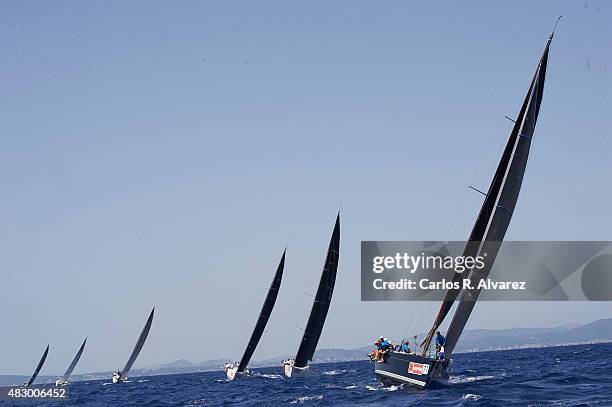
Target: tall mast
x=497 y=208
x=38 y=367
x=320 y=307
x=264 y=315
x=139 y=344
x=74 y=362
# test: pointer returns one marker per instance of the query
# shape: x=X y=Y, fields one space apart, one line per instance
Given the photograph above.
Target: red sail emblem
x=418 y=368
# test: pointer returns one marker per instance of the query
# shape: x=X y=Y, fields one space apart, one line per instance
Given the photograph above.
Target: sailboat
x=41 y=362
x=235 y=368
x=63 y=381
x=487 y=233
x=121 y=376
x=320 y=307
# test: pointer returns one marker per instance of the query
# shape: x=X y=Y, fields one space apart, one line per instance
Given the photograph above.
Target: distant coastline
x=479 y=340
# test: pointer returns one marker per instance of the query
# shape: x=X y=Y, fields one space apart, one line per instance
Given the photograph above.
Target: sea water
x=578 y=375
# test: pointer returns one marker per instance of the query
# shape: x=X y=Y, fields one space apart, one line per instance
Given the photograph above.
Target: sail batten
x=322 y=301
x=264 y=315
x=138 y=347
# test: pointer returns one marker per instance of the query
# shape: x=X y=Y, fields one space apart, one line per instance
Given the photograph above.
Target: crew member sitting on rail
x=383 y=345
x=406 y=346
x=374 y=355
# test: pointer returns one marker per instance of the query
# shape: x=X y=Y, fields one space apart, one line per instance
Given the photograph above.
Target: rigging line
x=555 y=27
x=293 y=338
x=477 y=171
x=418 y=327
x=426 y=313
x=456 y=215
x=411 y=318
x=290 y=347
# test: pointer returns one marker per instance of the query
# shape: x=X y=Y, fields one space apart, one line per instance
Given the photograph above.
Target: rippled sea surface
x=561 y=376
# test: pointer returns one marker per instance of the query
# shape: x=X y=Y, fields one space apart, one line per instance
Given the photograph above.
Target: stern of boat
x=288 y=367
x=61 y=382
x=117 y=378
x=409 y=368
x=230 y=370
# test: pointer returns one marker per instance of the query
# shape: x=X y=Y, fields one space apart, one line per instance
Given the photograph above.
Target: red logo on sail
x=418 y=368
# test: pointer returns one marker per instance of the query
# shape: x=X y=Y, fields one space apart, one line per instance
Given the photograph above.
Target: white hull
x=118 y=379
x=60 y=382
x=290 y=370
x=231 y=372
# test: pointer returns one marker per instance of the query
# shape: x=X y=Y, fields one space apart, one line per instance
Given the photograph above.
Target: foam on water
x=469 y=379
x=336 y=372
x=304 y=399
x=384 y=388
x=269 y=376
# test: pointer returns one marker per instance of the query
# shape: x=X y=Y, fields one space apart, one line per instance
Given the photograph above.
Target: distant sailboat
x=121 y=376
x=62 y=381
x=320 y=307
x=232 y=369
x=38 y=367
x=488 y=231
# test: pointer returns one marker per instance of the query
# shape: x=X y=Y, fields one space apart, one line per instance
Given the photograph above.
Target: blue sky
x=162 y=153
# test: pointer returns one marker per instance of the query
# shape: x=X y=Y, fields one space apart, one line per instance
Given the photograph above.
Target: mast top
x=554 y=28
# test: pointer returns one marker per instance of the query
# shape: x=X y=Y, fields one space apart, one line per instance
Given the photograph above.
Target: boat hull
x=290 y=370
x=411 y=369
x=117 y=378
x=61 y=382
x=230 y=373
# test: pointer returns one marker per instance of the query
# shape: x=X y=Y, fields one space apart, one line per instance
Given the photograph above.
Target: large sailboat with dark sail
x=320 y=307
x=120 y=376
x=235 y=369
x=63 y=381
x=41 y=362
x=487 y=233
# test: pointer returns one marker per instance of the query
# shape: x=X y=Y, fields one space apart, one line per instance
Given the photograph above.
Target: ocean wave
x=471 y=396
x=469 y=379
x=335 y=386
x=303 y=399
x=384 y=388
x=270 y=376
x=336 y=372
x=199 y=402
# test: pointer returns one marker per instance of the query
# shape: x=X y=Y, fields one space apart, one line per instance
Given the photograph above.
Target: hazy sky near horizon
x=162 y=153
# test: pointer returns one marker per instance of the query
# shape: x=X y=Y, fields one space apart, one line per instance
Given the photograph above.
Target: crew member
x=440 y=341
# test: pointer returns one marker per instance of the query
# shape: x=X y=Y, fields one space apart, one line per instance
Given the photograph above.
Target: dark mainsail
x=139 y=344
x=264 y=315
x=320 y=307
x=38 y=367
x=508 y=177
x=485 y=240
x=498 y=207
x=73 y=364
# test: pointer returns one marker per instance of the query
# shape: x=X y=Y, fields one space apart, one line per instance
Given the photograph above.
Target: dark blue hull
x=412 y=369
